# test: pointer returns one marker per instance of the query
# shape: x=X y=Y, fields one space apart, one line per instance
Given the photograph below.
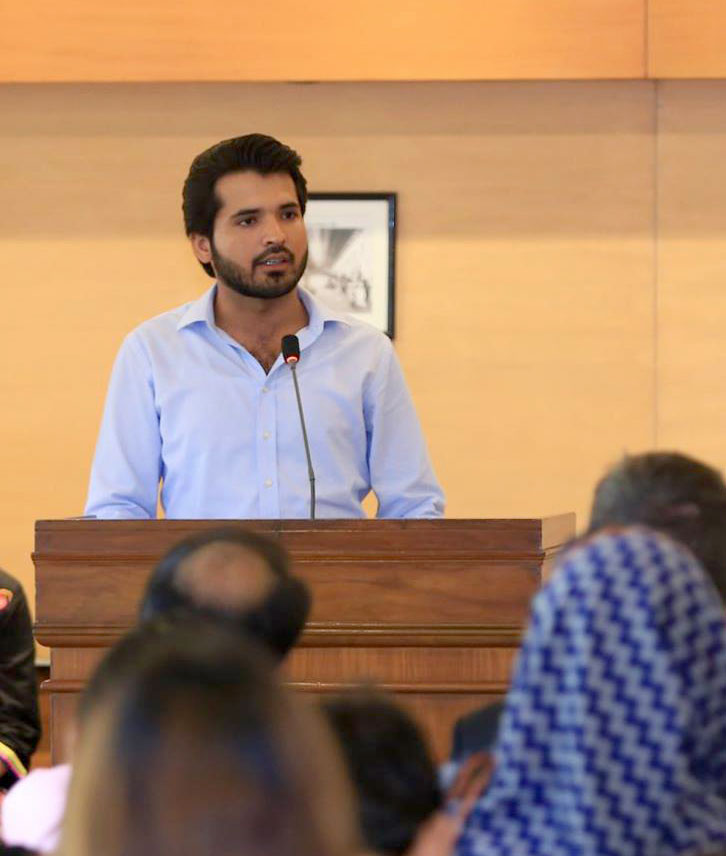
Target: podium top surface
x=419 y=575
x=79 y=537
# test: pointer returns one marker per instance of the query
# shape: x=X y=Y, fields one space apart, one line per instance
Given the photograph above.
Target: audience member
x=613 y=738
x=674 y=494
x=235 y=575
x=19 y=717
x=33 y=811
x=393 y=773
x=199 y=750
x=666 y=491
x=230 y=576
x=476 y=732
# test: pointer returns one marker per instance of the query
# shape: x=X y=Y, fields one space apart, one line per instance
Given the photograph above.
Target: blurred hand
x=438 y=835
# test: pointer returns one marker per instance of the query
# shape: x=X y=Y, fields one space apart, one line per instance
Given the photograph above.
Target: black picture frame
x=352 y=254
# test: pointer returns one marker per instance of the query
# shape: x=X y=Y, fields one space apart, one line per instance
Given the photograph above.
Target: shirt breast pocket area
x=201 y=410
x=333 y=406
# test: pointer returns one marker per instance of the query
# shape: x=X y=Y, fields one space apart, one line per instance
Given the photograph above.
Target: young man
x=201 y=400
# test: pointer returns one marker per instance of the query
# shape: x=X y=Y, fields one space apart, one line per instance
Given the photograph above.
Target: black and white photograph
x=351 y=245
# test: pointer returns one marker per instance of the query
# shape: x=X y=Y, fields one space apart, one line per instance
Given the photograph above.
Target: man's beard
x=276 y=283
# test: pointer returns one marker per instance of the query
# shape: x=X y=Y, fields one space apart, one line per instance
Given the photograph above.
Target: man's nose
x=273 y=233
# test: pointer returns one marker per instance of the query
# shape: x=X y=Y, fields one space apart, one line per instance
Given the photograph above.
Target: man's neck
x=258 y=324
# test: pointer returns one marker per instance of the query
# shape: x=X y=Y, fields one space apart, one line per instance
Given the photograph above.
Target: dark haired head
x=394 y=776
x=118 y=663
x=196 y=748
x=672 y=493
x=254 y=153
x=259 y=595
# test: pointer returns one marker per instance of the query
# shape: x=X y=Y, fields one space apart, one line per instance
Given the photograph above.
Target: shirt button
x=266 y=435
x=268 y=482
x=265 y=389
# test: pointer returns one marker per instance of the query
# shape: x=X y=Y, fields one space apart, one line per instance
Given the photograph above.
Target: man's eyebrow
x=250 y=212
x=245 y=212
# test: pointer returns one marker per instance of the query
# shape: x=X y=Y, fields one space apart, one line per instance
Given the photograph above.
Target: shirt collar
x=318 y=316
x=202 y=310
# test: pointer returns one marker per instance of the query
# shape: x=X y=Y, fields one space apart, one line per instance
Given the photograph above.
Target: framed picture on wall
x=351 y=254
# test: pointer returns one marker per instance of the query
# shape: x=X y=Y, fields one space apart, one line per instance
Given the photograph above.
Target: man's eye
x=290 y=215
x=246 y=221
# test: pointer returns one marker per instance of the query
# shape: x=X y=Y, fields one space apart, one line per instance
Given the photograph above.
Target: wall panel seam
x=656 y=263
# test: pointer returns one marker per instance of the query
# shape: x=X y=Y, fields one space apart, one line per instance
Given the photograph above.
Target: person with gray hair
x=672 y=493
x=666 y=491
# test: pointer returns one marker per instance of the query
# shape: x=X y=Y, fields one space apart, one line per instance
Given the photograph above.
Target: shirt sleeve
x=401 y=474
x=126 y=468
x=19 y=716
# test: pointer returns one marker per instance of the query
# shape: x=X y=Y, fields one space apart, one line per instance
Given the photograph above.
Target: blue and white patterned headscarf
x=613 y=739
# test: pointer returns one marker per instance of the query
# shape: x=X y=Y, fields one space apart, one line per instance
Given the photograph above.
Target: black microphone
x=291 y=355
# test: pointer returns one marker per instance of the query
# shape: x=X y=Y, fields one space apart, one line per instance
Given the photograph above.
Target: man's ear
x=202 y=247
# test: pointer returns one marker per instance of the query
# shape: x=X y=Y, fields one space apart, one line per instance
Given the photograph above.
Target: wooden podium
x=431 y=610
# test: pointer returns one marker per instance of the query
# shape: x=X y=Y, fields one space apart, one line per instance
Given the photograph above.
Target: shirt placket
x=268 y=487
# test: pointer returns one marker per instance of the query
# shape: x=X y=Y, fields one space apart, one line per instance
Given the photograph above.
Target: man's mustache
x=273 y=251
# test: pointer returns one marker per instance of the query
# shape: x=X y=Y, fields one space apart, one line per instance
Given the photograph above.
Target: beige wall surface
x=692 y=268
x=558 y=288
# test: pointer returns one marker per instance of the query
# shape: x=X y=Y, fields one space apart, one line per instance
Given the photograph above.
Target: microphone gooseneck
x=291 y=355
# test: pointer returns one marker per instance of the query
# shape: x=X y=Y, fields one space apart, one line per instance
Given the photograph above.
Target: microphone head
x=290 y=349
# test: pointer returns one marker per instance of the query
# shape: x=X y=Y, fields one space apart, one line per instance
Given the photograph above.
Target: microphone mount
x=291 y=355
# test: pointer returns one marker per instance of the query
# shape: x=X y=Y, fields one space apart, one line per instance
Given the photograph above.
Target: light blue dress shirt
x=190 y=407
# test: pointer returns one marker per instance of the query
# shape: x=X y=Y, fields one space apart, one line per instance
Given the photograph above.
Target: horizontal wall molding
x=163 y=40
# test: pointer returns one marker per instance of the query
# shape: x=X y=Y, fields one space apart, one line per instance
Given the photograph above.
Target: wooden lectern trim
x=454 y=688
x=437 y=635
x=143 y=541
x=309 y=556
x=318 y=635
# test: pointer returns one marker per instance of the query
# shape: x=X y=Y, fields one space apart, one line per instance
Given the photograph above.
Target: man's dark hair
x=276 y=621
x=674 y=494
x=253 y=152
x=393 y=773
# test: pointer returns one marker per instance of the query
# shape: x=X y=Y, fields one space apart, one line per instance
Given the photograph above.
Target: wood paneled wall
x=691 y=266
x=165 y=40
x=560 y=264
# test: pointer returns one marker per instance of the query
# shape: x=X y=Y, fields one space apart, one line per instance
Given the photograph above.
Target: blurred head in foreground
x=673 y=493
x=613 y=737
x=233 y=576
x=196 y=749
x=393 y=773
